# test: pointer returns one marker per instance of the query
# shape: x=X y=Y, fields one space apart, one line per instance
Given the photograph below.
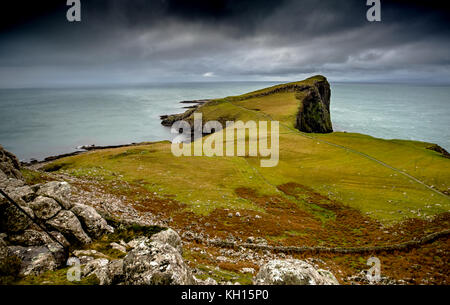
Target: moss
x=56 y=277
x=34 y=177
x=53 y=167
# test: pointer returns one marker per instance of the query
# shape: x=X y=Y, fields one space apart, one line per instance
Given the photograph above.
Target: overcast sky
x=165 y=40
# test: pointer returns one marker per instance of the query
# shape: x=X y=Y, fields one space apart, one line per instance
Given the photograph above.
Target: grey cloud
x=233 y=40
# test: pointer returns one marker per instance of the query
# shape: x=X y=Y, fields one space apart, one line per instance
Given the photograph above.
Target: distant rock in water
x=314 y=112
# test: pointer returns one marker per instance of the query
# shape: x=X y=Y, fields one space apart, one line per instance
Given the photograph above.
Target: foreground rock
x=46 y=205
x=151 y=261
x=156 y=263
x=9 y=164
x=293 y=272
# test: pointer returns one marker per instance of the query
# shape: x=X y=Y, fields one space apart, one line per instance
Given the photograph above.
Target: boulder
x=9 y=164
x=170 y=237
x=29 y=237
x=17 y=192
x=111 y=274
x=60 y=191
x=13 y=220
x=44 y=207
x=94 y=224
x=293 y=272
x=37 y=260
x=68 y=224
x=118 y=247
x=155 y=263
x=94 y=266
x=34 y=237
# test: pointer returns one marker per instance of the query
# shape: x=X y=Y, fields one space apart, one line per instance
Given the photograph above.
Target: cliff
x=313 y=95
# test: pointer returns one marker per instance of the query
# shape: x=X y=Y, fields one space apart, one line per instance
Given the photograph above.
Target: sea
x=36 y=123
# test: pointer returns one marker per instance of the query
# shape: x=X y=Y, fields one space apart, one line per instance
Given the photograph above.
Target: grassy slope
x=204 y=183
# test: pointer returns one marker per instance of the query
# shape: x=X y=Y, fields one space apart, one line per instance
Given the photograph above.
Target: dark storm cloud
x=139 y=41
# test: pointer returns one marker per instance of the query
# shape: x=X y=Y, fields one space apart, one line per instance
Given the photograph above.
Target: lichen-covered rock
x=293 y=272
x=37 y=260
x=118 y=247
x=34 y=237
x=156 y=263
x=94 y=224
x=19 y=193
x=68 y=224
x=13 y=220
x=170 y=237
x=9 y=164
x=29 y=237
x=44 y=207
x=111 y=274
x=60 y=191
x=94 y=265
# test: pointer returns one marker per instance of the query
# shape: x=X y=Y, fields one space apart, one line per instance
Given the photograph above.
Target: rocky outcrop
x=156 y=263
x=150 y=261
x=68 y=224
x=314 y=111
x=293 y=272
x=94 y=224
x=313 y=115
x=36 y=260
x=170 y=237
x=46 y=206
x=59 y=191
x=9 y=164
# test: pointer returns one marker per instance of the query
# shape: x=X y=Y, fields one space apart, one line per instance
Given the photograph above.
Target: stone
x=9 y=164
x=293 y=272
x=29 y=237
x=68 y=224
x=248 y=270
x=94 y=224
x=111 y=274
x=118 y=247
x=18 y=193
x=155 y=263
x=208 y=281
x=44 y=207
x=135 y=242
x=37 y=260
x=170 y=237
x=60 y=191
x=13 y=220
x=89 y=252
x=94 y=265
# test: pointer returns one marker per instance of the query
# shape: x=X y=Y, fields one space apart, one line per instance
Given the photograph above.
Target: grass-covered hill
x=328 y=189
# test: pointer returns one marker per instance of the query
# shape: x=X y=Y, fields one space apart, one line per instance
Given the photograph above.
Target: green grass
x=207 y=183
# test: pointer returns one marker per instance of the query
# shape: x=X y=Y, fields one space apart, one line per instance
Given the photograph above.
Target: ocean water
x=36 y=123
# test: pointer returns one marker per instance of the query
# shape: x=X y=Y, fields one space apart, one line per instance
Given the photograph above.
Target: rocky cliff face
x=314 y=112
x=313 y=115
